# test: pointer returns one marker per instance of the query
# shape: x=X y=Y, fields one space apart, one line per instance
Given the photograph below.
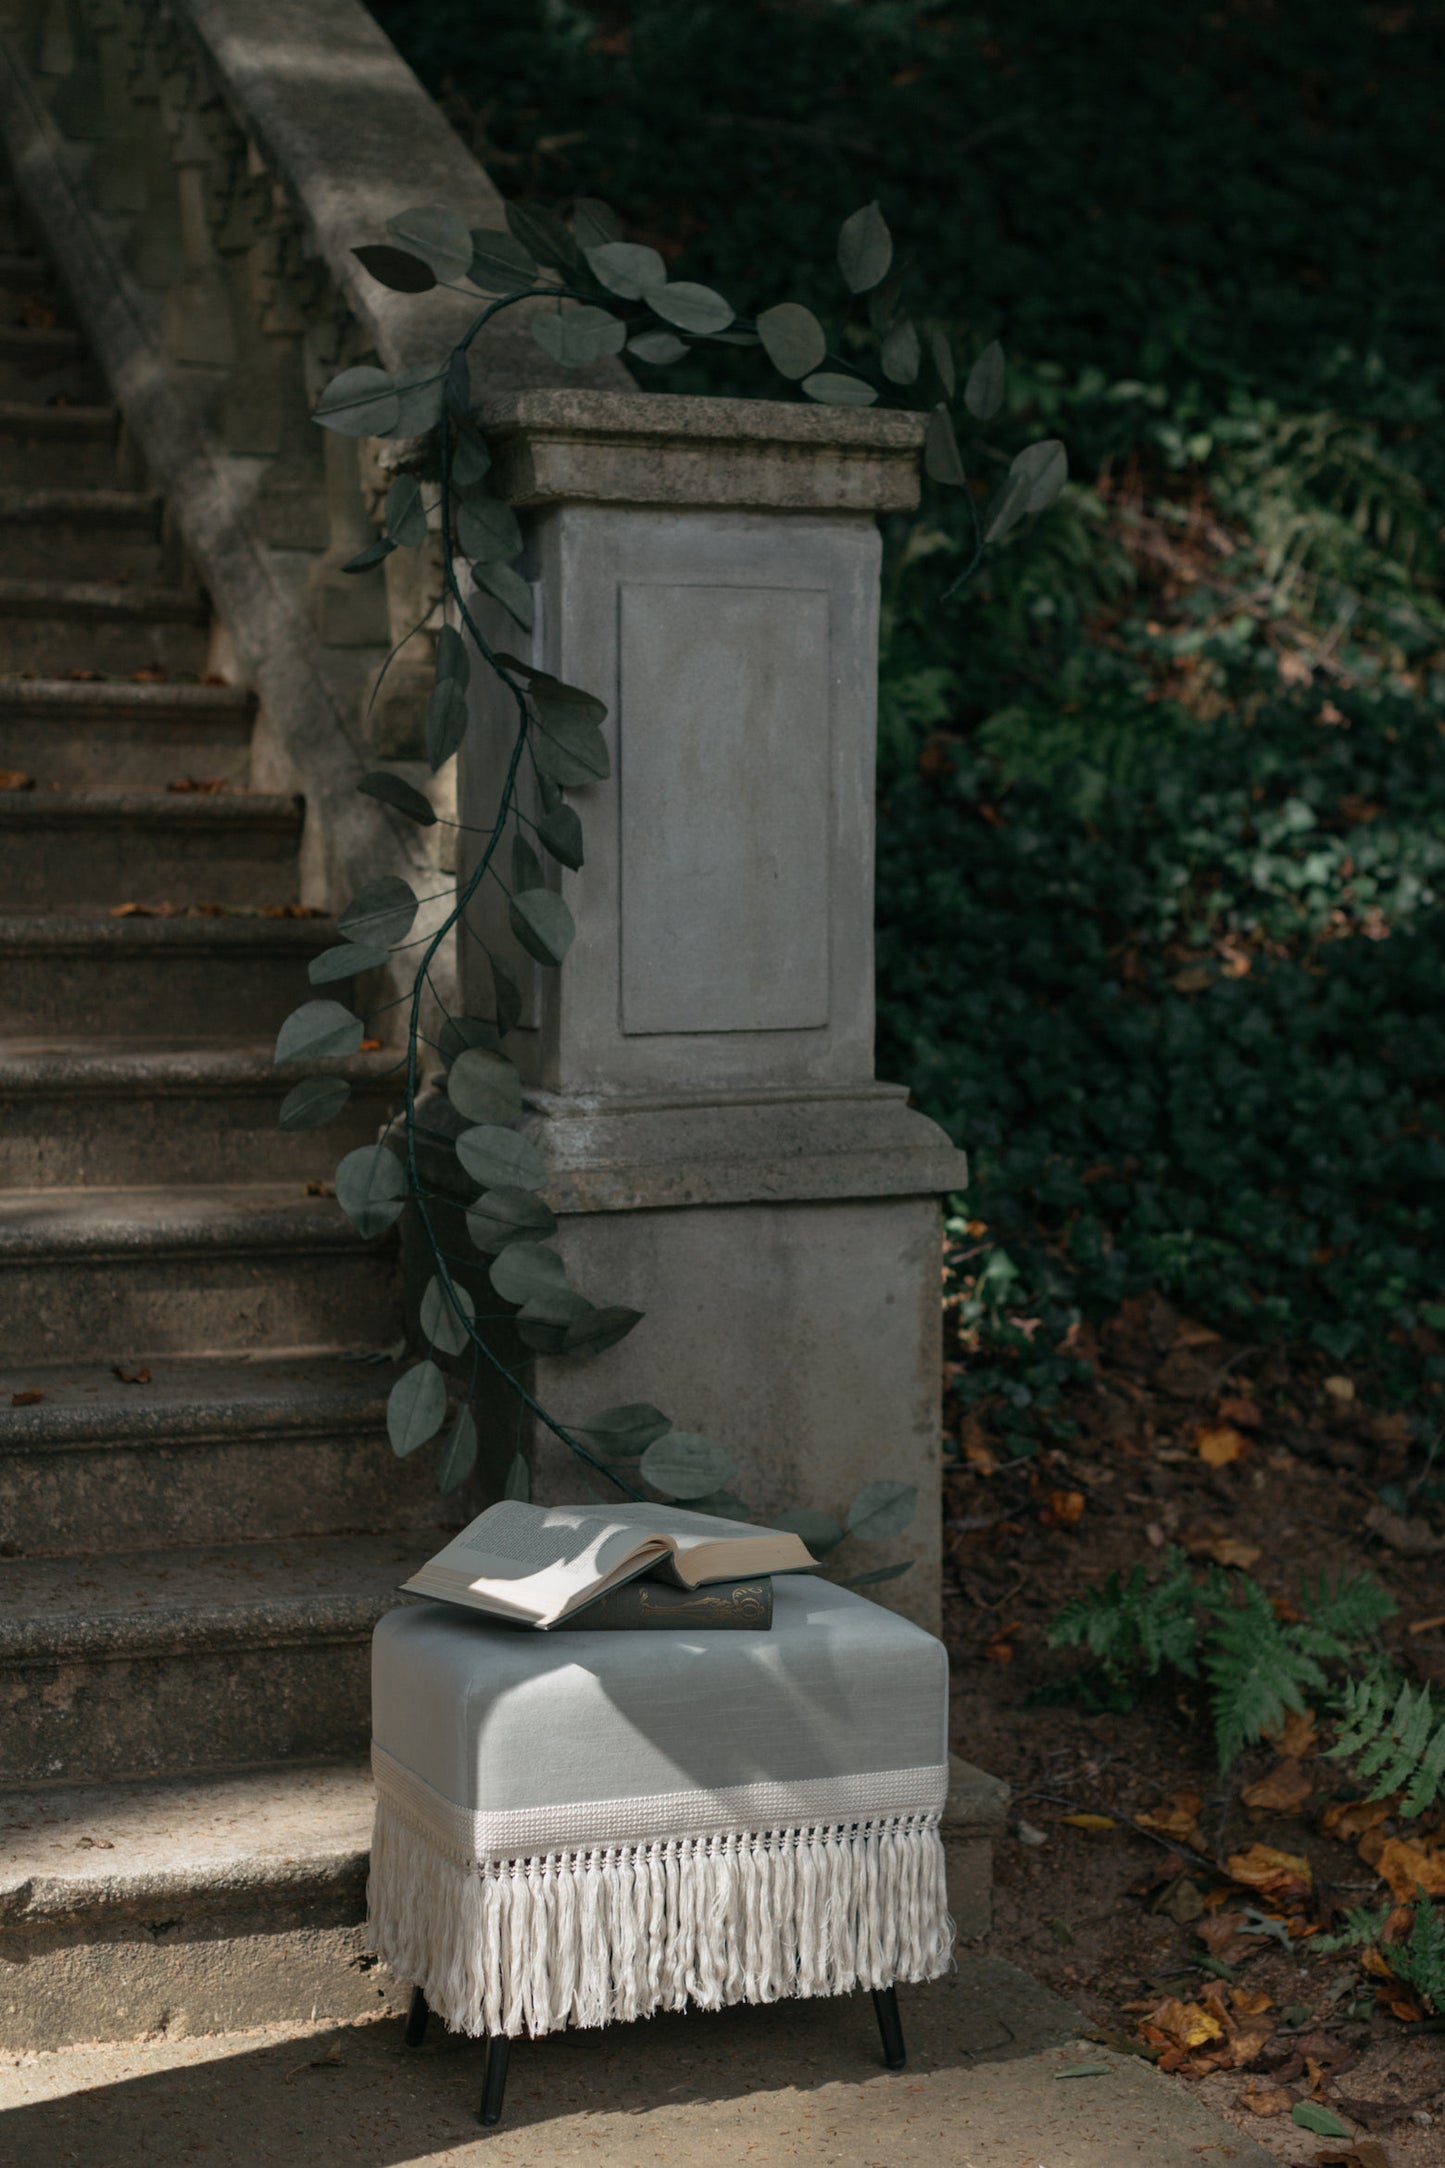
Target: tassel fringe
x=613 y=1932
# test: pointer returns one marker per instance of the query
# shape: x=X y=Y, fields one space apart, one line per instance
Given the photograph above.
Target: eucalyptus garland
x=604 y=296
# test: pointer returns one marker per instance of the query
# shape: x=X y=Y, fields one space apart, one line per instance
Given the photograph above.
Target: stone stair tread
x=73 y=1852
x=35 y=339
x=182 y=1221
x=104 y=507
x=195 y=929
x=188 y=1398
x=183 y=1601
x=102 y=697
x=29 y=418
x=101 y=599
x=235 y=807
x=22 y=269
x=55 y=1064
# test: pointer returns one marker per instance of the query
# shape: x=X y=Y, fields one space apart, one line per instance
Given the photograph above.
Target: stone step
x=80 y=534
x=153 y=1663
x=232 y=979
x=45 y=444
x=281 y=1446
x=45 y=364
x=22 y=271
x=65 y=730
x=51 y=626
x=111 y=1274
x=148 y=846
x=193 y=1905
x=86 y=1111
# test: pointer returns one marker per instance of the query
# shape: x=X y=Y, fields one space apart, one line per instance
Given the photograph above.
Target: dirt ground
x=1146 y=1930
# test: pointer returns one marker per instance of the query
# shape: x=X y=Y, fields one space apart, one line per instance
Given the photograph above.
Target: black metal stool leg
x=494 y=2085
x=890 y=2025
x=416 y=2018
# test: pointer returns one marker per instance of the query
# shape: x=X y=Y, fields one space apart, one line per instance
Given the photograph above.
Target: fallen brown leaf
x=1347 y=1819
x=1411 y=1538
x=1190 y=1334
x=1266 y=2100
x=1177 y=1819
x=1296 y=1735
x=30 y=1398
x=130 y=1377
x=370 y=1046
x=1358 y=2153
x=206 y=785
x=1243 y=1412
x=1283 y=1791
x=1249 y=2002
x=16 y=779
x=1341 y=1390
x=1408 y=1867
x=1277 y=1875
x=1062 y=1509
x=1226 y=1551
x=1426 y=1625
x=1093 y=1822
x=1182 y=2024
x=1218 y=1447
x=1000 y=1649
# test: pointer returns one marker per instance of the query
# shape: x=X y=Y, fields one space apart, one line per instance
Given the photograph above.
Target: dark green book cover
x=656 y=1606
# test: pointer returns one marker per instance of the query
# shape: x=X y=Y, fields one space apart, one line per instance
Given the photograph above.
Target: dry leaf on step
x=1266 y=2100
x=1296 y=1735
x=1408 y=1867
x=1217 y=1447
x=1280 y=1876
x=1346 y=1819
x=1283 y=1791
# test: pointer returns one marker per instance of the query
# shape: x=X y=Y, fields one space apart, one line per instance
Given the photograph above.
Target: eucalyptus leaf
x=865 y=249
x=983 y=393
x=657 y=347
x=371 y=1188
x=544 y=1323
x=881 y=1510
x=626 y=268
x=901 y=356
x=346 y=961
x=510 y=589
x=506 y=991
x=401 y=796
x=725 y=1504
x=453 y=662
x=941 y=354
x=419 y=397
x=381 y=915
x=446 y=720
x=831 y=389
x=440 y=1322
x=396 y=268
x=504 y=1215
x=519 y=1479
x=542 y=923
x=1309 y=2115
x=792 y=338
x=471 y=460
x=458 y=391
x=499 y=262
x=599 y=1329
x=374 y=554
x=405 y=513
x=317 y=1031
x=883 y=304
x=436 y=234
x=542 y=232
x=623 y=1432
x=561 y=831
x=594 y=223
x=526 y=1272
x=579 y=334
x=487 y=529
x=568 y=746
x=416 y=1407
x=820 y=1531
x=941 y=459
x=460 y=1454
x=484 y=1087
x=460 y=1032
x=361 y=402
x=1045 y=467
x=500 y=1158
x=691 y=308
x=685 y=1464
x=526 y=865
x=314 y=1101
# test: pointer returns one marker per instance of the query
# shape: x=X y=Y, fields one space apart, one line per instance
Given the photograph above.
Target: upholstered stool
x=577 y=1827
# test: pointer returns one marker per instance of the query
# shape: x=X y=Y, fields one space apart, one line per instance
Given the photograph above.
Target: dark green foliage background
x=1210 y=239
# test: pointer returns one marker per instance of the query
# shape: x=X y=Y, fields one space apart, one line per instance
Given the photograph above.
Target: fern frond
x=1258 y=1670
x=1128 y=1625
x=1420 y=1961
x=1364 y=1925
x=1349 y=1609
x=1395 y=1738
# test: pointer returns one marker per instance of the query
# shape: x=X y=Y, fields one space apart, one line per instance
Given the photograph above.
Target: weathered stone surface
x=123 y=628
x=974 y=1818
x=149 y=846
x=119 y=734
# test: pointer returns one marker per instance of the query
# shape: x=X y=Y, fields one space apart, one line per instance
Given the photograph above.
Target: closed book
x=655 y=1606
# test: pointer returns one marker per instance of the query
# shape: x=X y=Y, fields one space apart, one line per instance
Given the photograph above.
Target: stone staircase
x=200 y=1519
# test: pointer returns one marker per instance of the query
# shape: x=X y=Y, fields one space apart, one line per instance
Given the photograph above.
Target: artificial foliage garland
x=608 y=296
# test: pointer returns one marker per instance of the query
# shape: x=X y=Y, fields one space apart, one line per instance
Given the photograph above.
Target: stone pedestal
x=700 y=1073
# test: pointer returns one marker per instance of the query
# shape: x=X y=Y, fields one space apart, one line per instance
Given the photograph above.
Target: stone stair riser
x=40 y=369
x=125 y=751
x=55 y=642
x=81 y=860
x=149 y=997
x=34 y=461
x=78 y=550
x=114 y=1140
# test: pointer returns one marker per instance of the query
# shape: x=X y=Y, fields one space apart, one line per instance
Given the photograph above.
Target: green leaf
x=345 y=961
x=941 y=354
x=691 y=308
x=315 y=1100
x=527 y=1272
x=830 y=389
x=371 y=1188
x=561 y=831
x=471 y=460
x=500 y=1158
x=460 y=1032
x=401 y=796
x=941 y=460
x=460 y=1454
x=505 y=1215
x=506 y=992
x=416 y=1407
x=440 y=1323
x=542 y=923
x=626 y=268
x=725 y=1504
x=865 y=249
x=793 y=339
x=484 y=1087
x=381 y=915
x=579 y=334
x=526 y=865
x=374 y=554
x=685 y=1464
x=568 y=745
x=510 y=589
x=1309 y=2115
x=881 y=1510
x=500 y=264
x=543 y=232
x=420 y=394
x=818 y=1530
x=453 y=661
x=487 y=529
x=405 y=513
x=544 y=1323
x=594 y=223
x=1034 y=479
x=446 y=720
x=396 y=268
x=361 y=402
x=883 y=304
x=983 y=393
x=599 y=1329
x=438 y=235
x=880 y=1573
x=622 y=1433
x=901 y=356
x=1084 y=2070
x=657 y=347
x=317 y=1030
x=519 y=1479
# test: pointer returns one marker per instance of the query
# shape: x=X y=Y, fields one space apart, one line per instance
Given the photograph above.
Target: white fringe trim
x=613 y=1932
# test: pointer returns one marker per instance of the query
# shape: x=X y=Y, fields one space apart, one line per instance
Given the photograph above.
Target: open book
x=538 y=1563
